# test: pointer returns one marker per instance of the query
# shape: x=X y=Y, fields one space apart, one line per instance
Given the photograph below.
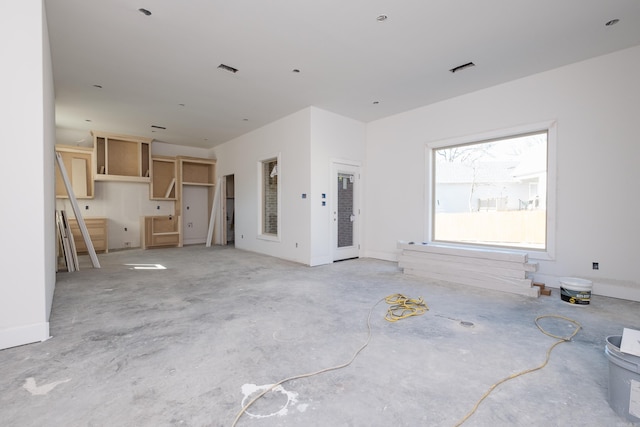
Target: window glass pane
x=270 y=197
x=492 y=192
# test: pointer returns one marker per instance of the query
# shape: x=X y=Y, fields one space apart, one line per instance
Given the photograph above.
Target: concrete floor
x=178 y=347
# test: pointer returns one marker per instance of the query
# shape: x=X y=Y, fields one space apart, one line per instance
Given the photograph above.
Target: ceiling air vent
x=462 y=67
x=228 y=68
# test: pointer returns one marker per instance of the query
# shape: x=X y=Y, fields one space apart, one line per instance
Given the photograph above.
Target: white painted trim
x=320 y=261
x=601 y=287
x=21 y=335
x=551 y=127
x=334 y=165
x=260 y=235
x=382 y=255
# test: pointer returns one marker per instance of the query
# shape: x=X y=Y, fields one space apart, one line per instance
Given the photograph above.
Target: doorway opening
x=229 y=209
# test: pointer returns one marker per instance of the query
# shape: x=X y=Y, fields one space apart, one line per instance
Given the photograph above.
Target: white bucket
x=575 y=291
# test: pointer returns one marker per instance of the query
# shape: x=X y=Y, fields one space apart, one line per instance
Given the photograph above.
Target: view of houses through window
x=492 y=192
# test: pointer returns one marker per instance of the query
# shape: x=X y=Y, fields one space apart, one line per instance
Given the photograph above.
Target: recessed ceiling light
x=612 y=22
x=87 y=120
x=382 y=18
x=245 y=120
x=97 y=86
x=144 y=11
x=462 y=67
x=181 y=105
x=295 y=70
x=376 y=102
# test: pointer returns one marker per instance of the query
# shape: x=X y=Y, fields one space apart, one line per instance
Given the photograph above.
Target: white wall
x=596 y=106
x=307 y=142
x=288 y=137
x=49 y=140
x=27 y=132
x=122 y=203
x=333 y=137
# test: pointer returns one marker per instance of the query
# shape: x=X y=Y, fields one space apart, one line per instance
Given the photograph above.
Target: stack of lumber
x=490 y=269
x=67 y=244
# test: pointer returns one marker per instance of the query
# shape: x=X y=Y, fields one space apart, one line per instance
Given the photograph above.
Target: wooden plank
x=72 y=243
x=77 y=213
x=418 y=256
x=212 y=217
x=454 y=266
x=449 y=270
x=171 y=185
x=496 y=286
x=66 y=248
x=465 y=252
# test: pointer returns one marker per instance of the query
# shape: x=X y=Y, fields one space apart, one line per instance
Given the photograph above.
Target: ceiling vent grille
x=462 y=67
x=228 y=68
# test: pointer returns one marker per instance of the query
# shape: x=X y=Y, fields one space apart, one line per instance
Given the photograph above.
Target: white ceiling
x=162 y=69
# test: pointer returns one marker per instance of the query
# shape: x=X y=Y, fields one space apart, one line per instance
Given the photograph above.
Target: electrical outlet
x=595 y=265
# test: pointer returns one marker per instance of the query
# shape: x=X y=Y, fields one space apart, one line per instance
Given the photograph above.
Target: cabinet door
x=78 y=166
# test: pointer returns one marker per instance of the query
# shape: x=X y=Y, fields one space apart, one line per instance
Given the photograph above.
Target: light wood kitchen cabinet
x=157 y=231
x=78 y=162
x=121 y=157
x=97 y=228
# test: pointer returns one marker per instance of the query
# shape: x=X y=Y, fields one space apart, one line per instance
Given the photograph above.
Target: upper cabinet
x=121 y=157
x=197 y=171
x=77 y=162
x=163 y=178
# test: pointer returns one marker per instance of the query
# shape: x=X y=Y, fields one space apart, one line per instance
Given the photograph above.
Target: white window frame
x=260 y=164
x=550 y=128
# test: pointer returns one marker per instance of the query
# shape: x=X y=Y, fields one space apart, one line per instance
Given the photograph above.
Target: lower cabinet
x=158 y=231
x=97 y=228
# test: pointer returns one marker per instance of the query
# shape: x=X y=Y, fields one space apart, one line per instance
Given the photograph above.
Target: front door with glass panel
x=345 y=211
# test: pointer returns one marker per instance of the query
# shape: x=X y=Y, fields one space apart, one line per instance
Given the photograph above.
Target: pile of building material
x=66 y=244
x=507 y=271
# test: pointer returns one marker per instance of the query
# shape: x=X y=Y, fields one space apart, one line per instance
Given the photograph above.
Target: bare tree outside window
x=492 y=192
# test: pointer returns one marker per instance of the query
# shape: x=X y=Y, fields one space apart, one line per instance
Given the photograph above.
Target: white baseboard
x=320 y=261
x=384 y=256
x=13 y=337
x=604 y=287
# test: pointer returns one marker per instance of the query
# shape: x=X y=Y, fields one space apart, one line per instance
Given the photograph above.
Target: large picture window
x=492 y=192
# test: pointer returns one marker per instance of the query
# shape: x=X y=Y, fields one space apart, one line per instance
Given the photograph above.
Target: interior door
x=195 y=216
x=345 y=211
